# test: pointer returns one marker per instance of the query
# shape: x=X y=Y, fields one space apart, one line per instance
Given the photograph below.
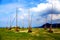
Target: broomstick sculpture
x=50 y=29
x=16 y=28
x=29 y=22
x=45 y=27
x=9 y=28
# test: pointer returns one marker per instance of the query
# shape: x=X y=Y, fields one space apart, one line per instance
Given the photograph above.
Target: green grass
x=37 y=34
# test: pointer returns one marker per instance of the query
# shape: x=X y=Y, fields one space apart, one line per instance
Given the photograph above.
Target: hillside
x=48 y=25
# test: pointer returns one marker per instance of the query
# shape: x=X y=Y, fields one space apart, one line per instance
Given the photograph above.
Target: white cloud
x=23 y=16
x=56 y=4
x=41 y=7
x=7 y=8
x=54 y=16
x=20 y=9
x=10 y=9
x=44 y=6
x=53 y=1
x=23 y=13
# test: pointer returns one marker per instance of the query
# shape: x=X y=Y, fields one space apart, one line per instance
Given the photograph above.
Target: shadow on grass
x=55 y=36
x=0 y=37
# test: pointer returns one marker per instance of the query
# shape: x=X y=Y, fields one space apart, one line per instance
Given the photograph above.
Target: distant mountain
x=48 y=25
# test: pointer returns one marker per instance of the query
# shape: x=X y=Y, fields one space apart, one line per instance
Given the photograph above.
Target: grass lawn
x=37 y=34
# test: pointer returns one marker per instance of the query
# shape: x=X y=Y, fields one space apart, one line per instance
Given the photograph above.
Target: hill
x=48 y=25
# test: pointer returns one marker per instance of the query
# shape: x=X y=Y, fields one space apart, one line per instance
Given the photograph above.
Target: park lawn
x=37 y=34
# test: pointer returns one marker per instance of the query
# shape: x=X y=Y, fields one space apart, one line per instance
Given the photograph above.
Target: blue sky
x=38 y=9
